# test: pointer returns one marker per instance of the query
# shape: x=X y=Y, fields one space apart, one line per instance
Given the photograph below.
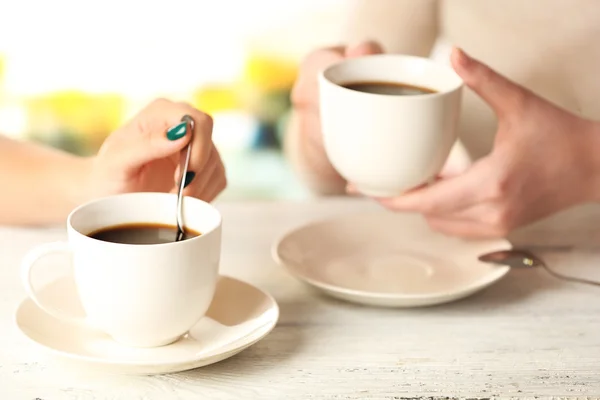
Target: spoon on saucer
x=184 y=170
x=524 y=259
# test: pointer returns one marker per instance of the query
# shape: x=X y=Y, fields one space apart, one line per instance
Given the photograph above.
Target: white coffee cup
x=387 y=144
x=140 y=295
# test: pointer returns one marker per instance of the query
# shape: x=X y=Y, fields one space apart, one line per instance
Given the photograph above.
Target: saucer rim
x=191 y=363
x=482 y=283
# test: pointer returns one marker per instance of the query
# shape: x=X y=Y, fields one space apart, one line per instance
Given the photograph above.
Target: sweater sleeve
x=400 y=26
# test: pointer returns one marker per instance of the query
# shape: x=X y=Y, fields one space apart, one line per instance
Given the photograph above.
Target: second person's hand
x=308 y=151
x=542 y=162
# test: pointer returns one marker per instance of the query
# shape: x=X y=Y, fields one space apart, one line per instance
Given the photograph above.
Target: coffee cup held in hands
x=389 y=121
x=134 y=281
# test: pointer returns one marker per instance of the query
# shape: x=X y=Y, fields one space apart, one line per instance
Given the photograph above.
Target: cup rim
x=133 y=194
x=438 y=93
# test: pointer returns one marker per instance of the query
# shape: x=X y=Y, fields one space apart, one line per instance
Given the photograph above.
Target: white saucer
x=240 y=315
x=387 y=259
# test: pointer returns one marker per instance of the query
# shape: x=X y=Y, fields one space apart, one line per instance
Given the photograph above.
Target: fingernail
x=189 y=177
x=362 y=48
x=178 y=131
x=462 y=58
x=352 y=190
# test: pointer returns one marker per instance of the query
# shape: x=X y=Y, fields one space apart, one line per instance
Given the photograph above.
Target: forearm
x=587 y=159
x=309 y=160
x=39 y=185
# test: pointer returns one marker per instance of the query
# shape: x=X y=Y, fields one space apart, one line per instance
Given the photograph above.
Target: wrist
x=591 y=157
x=78 y=186
x=307 y=155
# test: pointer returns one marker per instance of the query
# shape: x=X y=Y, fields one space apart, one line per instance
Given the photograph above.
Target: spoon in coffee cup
x=183 y=172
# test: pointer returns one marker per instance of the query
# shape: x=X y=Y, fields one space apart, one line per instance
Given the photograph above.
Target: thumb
x=364 y=49
x=503 y=95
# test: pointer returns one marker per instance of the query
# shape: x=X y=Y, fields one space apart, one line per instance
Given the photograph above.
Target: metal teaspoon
x=183 y=169
x=524 y=259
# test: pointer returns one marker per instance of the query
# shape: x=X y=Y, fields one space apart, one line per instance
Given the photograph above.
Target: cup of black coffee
x=135 y=282
x=389 y=120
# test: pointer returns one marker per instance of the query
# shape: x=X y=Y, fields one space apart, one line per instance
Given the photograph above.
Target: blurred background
x=72 y=71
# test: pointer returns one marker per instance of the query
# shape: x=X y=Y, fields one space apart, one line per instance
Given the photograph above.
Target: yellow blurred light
x=213 y=99
x=92 y=116
x=269 y=73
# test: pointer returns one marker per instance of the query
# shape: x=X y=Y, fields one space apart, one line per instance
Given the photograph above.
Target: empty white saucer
x=239 y=316
x=387 y=259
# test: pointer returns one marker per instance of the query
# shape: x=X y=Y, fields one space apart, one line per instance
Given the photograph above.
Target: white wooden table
x=528 y=335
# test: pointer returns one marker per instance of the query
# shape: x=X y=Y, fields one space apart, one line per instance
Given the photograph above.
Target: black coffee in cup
x=390 y=88
x=140 y=233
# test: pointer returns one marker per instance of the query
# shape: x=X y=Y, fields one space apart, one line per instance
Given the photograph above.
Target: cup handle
x=27 y=265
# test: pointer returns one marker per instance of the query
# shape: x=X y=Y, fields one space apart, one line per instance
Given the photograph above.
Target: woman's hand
x=144 y=155
x=304 y=141
x=542 y=162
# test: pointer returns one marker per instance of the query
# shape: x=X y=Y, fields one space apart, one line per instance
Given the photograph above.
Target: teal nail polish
x=178 y=131
x=189 y=177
